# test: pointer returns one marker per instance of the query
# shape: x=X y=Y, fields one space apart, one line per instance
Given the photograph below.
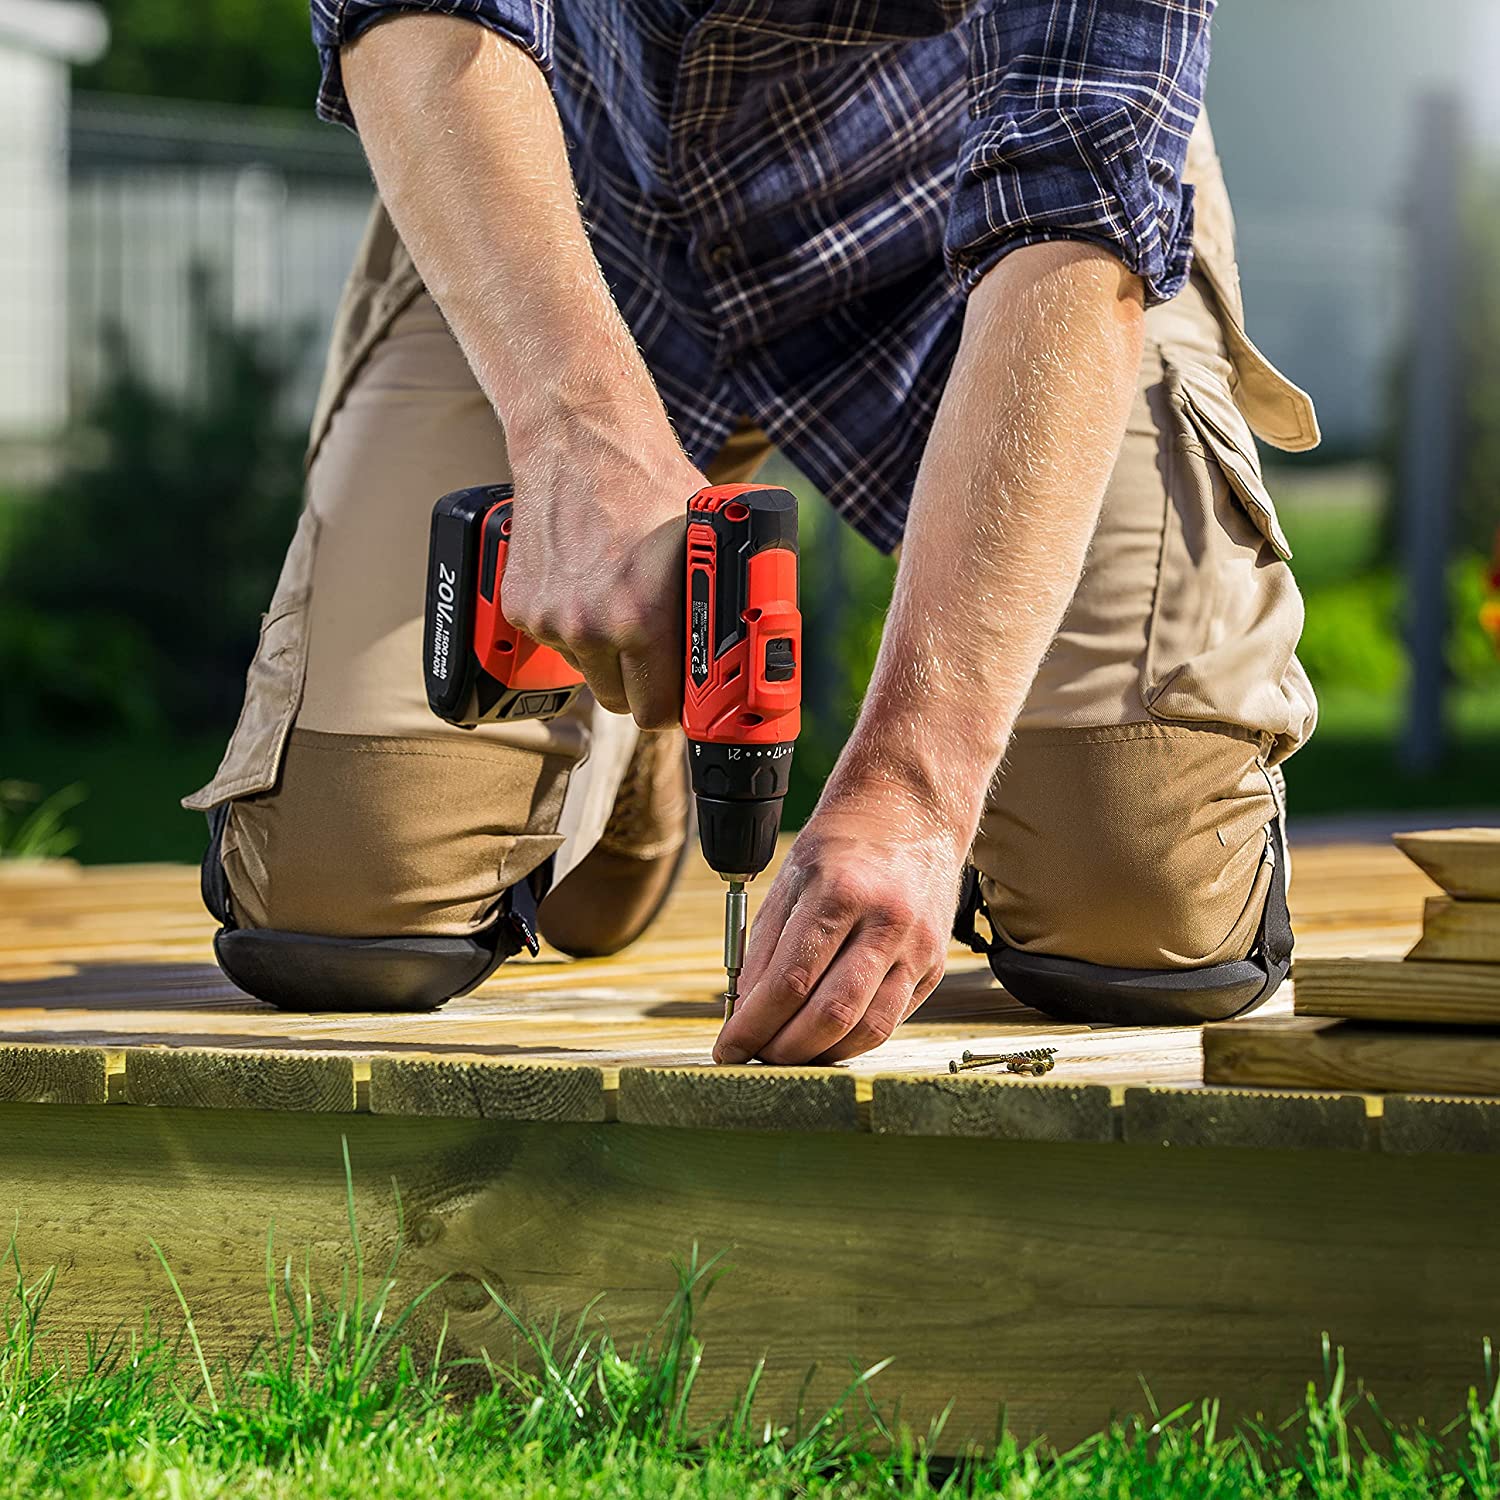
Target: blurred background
x=177 y=227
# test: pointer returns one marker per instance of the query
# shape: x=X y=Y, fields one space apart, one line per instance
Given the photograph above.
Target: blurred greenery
x=131 y=587
x=1351 y=646
x=1352 y=649
x=130 y=590
x=231 y=51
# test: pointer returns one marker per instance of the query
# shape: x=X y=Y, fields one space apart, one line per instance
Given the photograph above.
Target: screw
x=1034 y=1061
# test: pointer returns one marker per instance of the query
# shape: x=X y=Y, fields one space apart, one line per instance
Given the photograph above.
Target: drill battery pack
x=478 y=667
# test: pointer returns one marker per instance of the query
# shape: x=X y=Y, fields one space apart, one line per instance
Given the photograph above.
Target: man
x=939 y=254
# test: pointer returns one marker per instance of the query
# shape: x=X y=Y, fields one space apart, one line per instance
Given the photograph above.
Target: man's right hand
x=468 y=152
x=596 y=559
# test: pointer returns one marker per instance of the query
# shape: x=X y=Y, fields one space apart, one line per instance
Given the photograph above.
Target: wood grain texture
x=1464 y=861
x=1237 y=1119
x=1459 y=931
x=1047 y=1279
x=1320 y=1053
x=120 y=958
x=1413 y=1125
x=486 y=1090
x=54 y=1075
x=992 y=1109
x=1381 y=989
x=747 y=1098
x=238 y=1080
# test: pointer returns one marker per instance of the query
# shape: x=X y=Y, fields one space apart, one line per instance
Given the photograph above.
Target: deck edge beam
x=992 y=1109
x=1260 y=1119
x=32 y=1073
x=482 y=1089
x=250 y=1078
x=792 y=1100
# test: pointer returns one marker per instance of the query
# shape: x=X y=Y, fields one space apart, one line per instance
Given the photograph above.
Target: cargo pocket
x=273 y=686
x=1227 y=614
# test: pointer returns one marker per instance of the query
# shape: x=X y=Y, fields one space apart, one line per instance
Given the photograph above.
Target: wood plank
x=1046 y=1280
x=1319 y=1053
x=213 y=1079
x=739 y=1098
x=485 y=1089
x=1464 y=861
x=1414 y=1125
x=1459 y=931
x=1382 y=989
x=991 y=1108
x=1237 y=1119
x=54 y=1075
x=120 y=958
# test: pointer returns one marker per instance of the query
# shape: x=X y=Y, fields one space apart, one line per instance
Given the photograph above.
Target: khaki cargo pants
x=1127 y=827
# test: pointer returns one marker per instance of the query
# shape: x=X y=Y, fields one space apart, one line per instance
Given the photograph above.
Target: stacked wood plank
x=1426 y=1023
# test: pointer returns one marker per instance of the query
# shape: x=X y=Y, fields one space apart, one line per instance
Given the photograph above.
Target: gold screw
x=1034 y=1061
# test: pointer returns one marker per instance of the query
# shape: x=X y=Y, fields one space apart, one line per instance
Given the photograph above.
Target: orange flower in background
x=1489 y=611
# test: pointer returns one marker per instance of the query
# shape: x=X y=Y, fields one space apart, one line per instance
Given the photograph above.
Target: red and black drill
x=742 y=669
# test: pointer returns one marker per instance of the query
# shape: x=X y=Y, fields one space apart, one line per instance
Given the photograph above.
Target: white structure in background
x=266 y=206
x=40 y=40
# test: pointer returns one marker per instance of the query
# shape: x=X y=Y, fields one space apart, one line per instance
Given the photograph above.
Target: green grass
x=340 y=1400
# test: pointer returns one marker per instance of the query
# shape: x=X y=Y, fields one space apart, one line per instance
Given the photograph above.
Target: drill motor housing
x=742 y=687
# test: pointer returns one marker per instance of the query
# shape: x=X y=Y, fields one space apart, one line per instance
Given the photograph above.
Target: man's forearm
x=468 y=152
x=1006 y=501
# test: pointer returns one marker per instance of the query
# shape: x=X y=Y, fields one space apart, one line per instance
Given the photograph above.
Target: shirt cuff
x=1073 y=174
x=526 y=23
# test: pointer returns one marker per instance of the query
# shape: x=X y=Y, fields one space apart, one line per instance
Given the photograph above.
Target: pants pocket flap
x=1208 y=405
x=273 y=687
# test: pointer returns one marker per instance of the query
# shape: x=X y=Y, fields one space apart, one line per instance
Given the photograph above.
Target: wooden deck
x=111 y=968
x=559 y=1134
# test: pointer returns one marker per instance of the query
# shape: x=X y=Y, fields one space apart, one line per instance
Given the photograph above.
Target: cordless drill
x=742 y=673
x=742 y=685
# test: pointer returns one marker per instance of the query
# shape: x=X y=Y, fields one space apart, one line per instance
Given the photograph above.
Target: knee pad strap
x=1071 y=990
x=303 y=972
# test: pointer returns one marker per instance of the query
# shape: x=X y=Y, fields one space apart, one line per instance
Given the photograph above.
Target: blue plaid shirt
x=791 y=198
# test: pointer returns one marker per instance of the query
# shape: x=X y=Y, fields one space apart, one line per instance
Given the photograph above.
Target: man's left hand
x=853 y=933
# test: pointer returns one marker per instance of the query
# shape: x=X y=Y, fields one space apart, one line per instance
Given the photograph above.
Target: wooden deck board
x=1319 y=1052
x=116 y=962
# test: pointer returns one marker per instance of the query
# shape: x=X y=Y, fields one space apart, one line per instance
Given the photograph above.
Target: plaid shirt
x=791 y=198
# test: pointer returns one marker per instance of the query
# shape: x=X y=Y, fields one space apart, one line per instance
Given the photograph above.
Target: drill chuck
x=738 y=838
x=739 y=790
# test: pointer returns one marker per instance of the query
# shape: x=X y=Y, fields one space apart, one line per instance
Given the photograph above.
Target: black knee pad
x=303 y=972
x=1095 y=994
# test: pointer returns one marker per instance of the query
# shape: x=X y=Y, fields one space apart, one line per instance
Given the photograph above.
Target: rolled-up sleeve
x=1080 y=113
x=527 y=23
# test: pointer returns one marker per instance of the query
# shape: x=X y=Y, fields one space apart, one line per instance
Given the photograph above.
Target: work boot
x=611 y=896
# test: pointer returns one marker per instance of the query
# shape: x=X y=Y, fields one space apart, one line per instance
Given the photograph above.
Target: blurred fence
x=269 y=204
